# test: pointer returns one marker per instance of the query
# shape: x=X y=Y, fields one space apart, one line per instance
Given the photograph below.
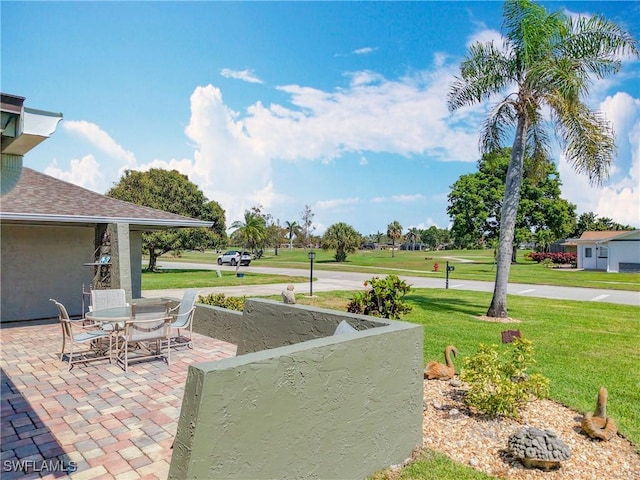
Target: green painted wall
x=335 y=407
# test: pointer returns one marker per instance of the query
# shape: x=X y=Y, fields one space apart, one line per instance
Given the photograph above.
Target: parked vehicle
x=232 y=256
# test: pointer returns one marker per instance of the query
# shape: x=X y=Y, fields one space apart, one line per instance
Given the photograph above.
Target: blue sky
x=337 y=105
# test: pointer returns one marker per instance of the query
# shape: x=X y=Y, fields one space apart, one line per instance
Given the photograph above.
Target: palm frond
x=484 y=72
x=587 y=137
x=497 y=126
x=598 y=44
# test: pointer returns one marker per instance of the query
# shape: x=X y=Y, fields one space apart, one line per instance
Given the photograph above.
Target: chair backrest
x=186 y=307
x=63 y=316
x=142 y=330
x=108 y=298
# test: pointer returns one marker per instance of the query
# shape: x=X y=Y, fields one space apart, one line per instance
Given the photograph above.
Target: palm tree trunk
x=498 y=307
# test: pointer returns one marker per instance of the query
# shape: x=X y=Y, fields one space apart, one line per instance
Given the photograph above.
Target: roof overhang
x=37 y=126
x=134 y=223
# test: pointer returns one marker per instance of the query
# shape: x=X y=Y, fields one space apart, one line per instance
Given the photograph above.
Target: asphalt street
x=327 y=280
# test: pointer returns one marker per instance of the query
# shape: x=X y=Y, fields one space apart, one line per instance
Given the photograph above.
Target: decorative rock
x=538 y=448
x=455 y=382
x=453 y=412
x=288 y=296
x=473 y=462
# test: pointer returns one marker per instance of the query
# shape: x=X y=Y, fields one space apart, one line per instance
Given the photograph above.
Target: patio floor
x=109 y=423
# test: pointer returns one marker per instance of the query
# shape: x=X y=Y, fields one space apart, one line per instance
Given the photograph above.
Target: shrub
x=499 y=382
x=557 y=258
x=384 y=298
x=220 y=300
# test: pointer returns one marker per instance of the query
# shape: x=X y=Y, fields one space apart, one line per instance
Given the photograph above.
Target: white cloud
x=84 y=172
x=335 y=203
x=399 y=198
x=363 y=161
x=407 y=198
x=364 y=51
x=244 y=75
x=101 y=139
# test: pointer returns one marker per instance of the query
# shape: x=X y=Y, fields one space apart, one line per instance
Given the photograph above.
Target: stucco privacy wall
x=42 y=262
x=268 y=324
x=337 y=407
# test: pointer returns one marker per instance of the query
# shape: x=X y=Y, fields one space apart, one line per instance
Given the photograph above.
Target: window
x=588 y=252
x=603 y=252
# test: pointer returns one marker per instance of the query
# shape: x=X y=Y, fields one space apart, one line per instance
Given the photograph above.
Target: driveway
x=334 y=280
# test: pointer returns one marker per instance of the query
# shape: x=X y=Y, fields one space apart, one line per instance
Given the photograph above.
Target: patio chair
x=143 y=339
x=108 y=298
x=78 y=335
x=183 y=319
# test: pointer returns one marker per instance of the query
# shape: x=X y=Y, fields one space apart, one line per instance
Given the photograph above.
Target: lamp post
x=312 y=256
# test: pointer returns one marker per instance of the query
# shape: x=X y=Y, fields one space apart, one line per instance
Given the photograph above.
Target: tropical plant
x=394 y=232
x=252 y=231
x=550 y=59
x=499 y=382
x=343 y=238
x=384 y=298
x=171 y=191
x=293 y=229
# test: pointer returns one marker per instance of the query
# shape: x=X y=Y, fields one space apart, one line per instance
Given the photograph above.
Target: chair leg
x=71 y=357
x=191 y=346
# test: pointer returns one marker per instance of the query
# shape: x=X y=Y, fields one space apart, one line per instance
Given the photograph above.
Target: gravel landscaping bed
x=481 y=443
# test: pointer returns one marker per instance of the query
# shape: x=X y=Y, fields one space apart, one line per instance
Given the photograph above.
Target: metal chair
x=183 y=319
x=145 y=338
x=78 y=334
x=107 y=298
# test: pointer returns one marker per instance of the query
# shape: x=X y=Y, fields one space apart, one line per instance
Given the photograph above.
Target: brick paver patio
x=105 y=422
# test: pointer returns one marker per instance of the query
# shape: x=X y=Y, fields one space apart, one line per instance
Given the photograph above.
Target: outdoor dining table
x=116 y=316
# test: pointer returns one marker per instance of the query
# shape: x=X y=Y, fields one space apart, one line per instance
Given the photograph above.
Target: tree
x=252 y=231
x=394 y=232
x=475 y=202
x=551 y=59
x=343 y=238
x=307 y=224
x=171 y=191
x=589 y=221
x=292 y=229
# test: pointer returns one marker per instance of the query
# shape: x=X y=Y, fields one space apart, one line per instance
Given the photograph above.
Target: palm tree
x=549 y=59
x=394 y=232
x=344 y=238
x=252 y=231
x=293 y=228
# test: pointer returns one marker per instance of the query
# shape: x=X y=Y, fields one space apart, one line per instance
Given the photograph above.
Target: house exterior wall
x=341 y=406
x=588 y=263
x=41 y=262
x=626 y=250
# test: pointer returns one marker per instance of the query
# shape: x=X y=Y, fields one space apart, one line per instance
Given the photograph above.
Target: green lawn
x=469 y=265
x=207 y=278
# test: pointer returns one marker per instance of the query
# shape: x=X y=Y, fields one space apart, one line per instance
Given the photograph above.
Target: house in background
x=612 y=251
x=58 y=238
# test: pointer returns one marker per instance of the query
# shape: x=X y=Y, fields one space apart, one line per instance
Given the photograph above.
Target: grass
x=430 y=465
x=469 y=265
x=207 y=278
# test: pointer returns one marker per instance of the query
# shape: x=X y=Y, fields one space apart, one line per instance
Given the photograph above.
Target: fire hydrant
x=435 y=267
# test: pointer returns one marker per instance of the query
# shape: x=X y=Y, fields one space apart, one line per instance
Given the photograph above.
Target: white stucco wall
x=39 y=263
x=624 y=251
x=584 y=262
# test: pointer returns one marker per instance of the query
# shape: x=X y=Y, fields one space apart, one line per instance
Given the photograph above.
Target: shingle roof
x=41 y=198
x=602 y=235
